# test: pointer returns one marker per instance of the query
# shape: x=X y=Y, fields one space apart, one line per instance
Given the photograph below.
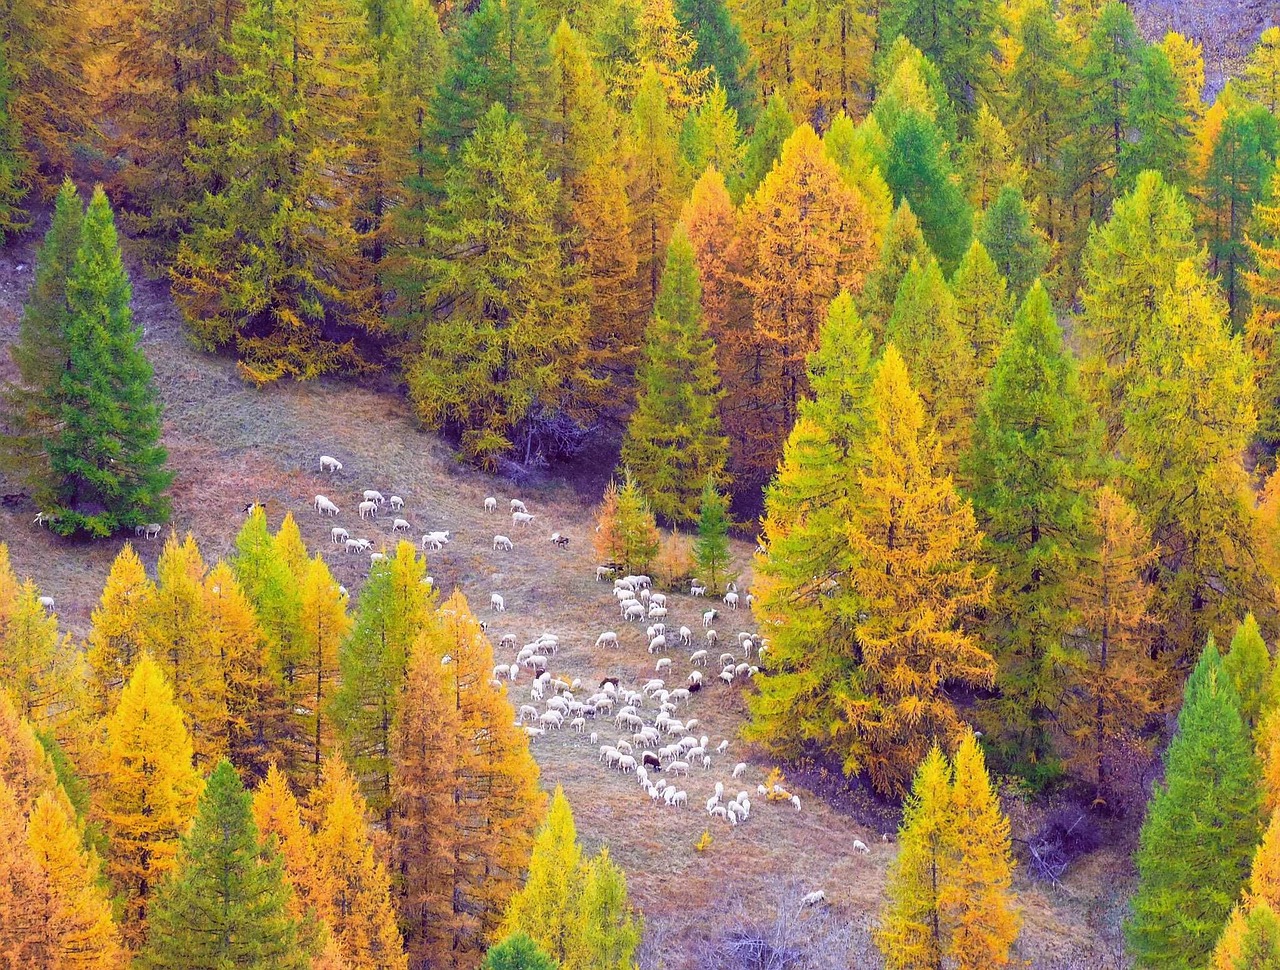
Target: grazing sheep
x=814 y=898
x=517 y=506
x=727 y=677
x=373 y=495
x=521 y=518
x=435 y=540
x=607 y=639
x=634 y=612
x=695 y=680
x=659 y=642
x=330 y=464
x=559 y=541
x=723 y=746
x=338 y=535
x=860 y=846
x=678 y=767
x=651 y=760
x=731 y=599
x=739 y=769
x=712 y=638
x=699 y=657
x=657 y=599
x=377 y=557
x=396 y=503
x=657 y=611
x=502 y=542
x=709 y=617
x=680 y=799
x=627 y=763
x=686 y=636
x=400 y=525
x=603 y=571
x=356 y=545
x=368 y=509
x=497 y=603
x=663 y=664
x=579 y=724
x=795 y=800
x=696 y=589
x=149 y=531
x=508 y=641
x=46 y=602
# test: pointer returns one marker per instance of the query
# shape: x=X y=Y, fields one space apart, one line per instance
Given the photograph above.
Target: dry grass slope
x=230 y=444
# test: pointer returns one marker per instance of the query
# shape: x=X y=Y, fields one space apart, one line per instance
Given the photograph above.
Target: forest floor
x=230 y=444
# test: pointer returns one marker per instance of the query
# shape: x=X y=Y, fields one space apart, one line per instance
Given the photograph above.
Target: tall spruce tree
x=1034 y=442
x=960 y=37
x=1202 y=825
x=31 y=406
x=771 y=131
x=226 y=902
x=498 y=331
x=105 y=459
x=920 y=171
x=1012 y=240
x=673 y=441
x=721 y=47
x=711 y=548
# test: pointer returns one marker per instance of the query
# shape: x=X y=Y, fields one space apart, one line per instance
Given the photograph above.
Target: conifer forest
x=639 y=485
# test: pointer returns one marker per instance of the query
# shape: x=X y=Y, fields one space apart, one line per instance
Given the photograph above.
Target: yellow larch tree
x=1261 y=901
x=74 y=911
x=915 y=543
x=147 y=794
x=543 y=909
x=323 y=623
x=116 y=638
x=21 y=882
x=1186 y=58
x=426 y=828
x=37 y=663
x=24 y=765
x=248 y=699
x=351 y=887
x=803 y=236
x=277 y=814
x=176 y=634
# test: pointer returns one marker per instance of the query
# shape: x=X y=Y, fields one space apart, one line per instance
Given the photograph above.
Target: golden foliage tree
x=148 y=791
x=116 y=638
x=914 y=543
x=323 y=623
x=803 y=236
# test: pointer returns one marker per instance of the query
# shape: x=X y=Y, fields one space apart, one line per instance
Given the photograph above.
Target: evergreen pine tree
x=919 y=170
x=673 y=439
x=1260 y=80
x=1163 y=122
x=1013 y=242
x=500 y=325
x=323 y=622
x=37 y=663
x=771 y=131
x=390 y=614
x=983 y=305
x=1201 y=827
x=517 y=952
x=105 y=458
x=959 y=37
x=653 y=189
x=14 y=175
x=1034 y=443
x=31 y=405
x=226 y=901
x=722 y=48
x=903 y=242
x=636 y=533
x=1260 y=329
x=711 y=550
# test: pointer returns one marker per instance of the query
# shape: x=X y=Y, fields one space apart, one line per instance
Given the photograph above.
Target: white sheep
x=731 y=599
x=603 y=571
x=678 y=767
x=434 y=541
x=657 y=611
x=368 y=509
x=659 y=599
x=695 y=677
x=46 y=602
x=696 y=589
x=659 y=642
x=813 y=898
x=795 y=800
x=355 y=545
x=373 y=495
x=634 y=612
x=377 y=557
x=708 y=618
x=663 y=664
x=727 y=677
x=521 y=518
x=699 y=657
x=495 y=600
x=400 y=525
x=330 y=464
x=396 y=503
x=517 y=506
x=860 y=846
x=686 y=636
x=151 y=530
x=502 y=542
x=739 y=769
x=579 y=724
x=680 y=799
x=607 y=639
x=338 y=535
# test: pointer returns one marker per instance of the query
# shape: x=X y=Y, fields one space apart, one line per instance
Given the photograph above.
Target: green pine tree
x=1034 y=440
x=983 y=304
x=673 y=440
x=711 y=549
x=920 y=171
x=959 y=36
x=771 y=131
x=903 y=242
x=1163 y=122
x=105 y=459
x=1202 y=826
x=393 y=607
x=1110 y=72
x=721 y=47
x=15 y=178
x=517 y=952
x=227 y=902
x=1012 y=240
x=31 y=405
x=498 y=330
